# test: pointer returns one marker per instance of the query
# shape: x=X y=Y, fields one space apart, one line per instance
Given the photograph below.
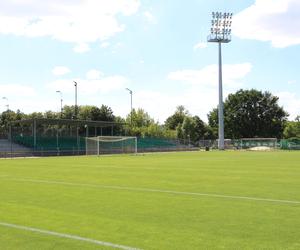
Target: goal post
x=111 y=145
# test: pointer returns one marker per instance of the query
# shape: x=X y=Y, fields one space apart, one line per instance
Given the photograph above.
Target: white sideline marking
x=68 y=236
x=150 y=190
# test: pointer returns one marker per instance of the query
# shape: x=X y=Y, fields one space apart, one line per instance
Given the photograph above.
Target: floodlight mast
x=61 y=103
x=76 y=107
x=130 y=92
x=220 y=33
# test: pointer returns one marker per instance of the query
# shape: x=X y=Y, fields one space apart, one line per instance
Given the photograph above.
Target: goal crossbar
x=111 y=145
x=111 y=138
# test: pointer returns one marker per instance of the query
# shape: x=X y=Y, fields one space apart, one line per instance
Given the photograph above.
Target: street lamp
x=7 y=105
x=220 y=33
x=61 y=103
x=75 y=85
x=130 y=92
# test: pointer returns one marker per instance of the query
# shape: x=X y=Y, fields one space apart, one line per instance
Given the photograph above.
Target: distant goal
x=258 y=143
x=101 y=145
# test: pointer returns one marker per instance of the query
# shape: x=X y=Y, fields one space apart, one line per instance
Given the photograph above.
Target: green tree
x=9 y=116
x=105 y=114
x=189 y=128
x=84 y=112
x=36 y=115
x=158 y=131
x=68 y=112
x=120 y=128
x=292 y=129
x=87 y=112
x=51 y=115
x=140 y=118
x=145 y=126
x=194 y=129
x=251 y=113
x=177 y=118
x=201 y=129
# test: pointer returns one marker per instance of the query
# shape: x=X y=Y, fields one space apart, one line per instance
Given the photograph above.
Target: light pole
x=220 y=33
x=75 y=84
x=61 y=103
x=7 y=105
x=130 y=92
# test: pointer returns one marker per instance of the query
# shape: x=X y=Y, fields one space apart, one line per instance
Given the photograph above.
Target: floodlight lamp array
x=220 y=27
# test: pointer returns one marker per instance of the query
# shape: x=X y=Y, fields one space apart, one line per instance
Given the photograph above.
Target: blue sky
x=156 y=48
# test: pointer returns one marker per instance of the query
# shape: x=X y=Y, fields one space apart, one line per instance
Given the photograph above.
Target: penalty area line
x=67 y=236
x=150 y=190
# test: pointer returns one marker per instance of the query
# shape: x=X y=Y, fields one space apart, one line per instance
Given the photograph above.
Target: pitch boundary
x=67 y=236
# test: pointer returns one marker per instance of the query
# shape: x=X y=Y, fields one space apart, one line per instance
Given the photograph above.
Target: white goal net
x=111 y=145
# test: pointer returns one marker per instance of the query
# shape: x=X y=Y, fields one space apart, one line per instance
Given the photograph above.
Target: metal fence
x=253 y=144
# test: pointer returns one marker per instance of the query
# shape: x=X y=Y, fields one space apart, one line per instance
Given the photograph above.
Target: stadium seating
x=146 y=143
x=51 y=143
x=70 y=143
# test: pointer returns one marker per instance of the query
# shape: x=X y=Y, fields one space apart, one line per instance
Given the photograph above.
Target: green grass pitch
x=196 y=200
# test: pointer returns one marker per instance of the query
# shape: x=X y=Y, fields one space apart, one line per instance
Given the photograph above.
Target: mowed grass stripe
x=173 y=192
x=68 y=236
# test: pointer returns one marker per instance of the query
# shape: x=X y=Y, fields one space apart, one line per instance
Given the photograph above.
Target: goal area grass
x=188 y=200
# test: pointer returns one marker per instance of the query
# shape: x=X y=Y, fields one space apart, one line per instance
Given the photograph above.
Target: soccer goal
x=111 y=145
x=259 y=143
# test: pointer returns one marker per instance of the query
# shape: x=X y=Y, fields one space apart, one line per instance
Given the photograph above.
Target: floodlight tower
x=7 y=105
x=61 y=103
x=220 y=33
x=130 y=92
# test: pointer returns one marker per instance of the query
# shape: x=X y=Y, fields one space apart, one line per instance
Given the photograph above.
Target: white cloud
x=201 y=93
x=150 y=17
x=16 y=90
x=80 y=22
x=81 y=48
x=208 y=76
x=60 y=71
x=292 y=82
x=200 y=45
x=160 y=105
x=94 y=83
x=276 y=21
x=290 y=102
x=93 y=74
x=104 y=44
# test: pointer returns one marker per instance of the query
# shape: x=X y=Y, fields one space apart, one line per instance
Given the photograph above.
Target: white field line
x=133 y=168
x=117 y=167
x=141 y=168
x=68 y=236
x=150 y=190
x=20 y=158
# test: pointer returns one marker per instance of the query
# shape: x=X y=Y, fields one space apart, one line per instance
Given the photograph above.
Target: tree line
x=247 y=114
